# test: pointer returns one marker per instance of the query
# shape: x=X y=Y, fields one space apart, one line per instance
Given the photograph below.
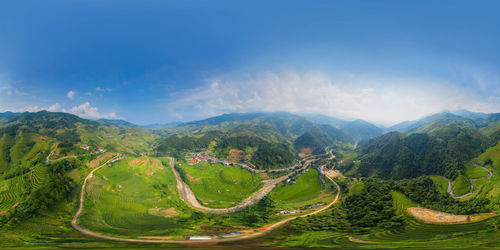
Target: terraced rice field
x=11 y=192
x=418 y=231
x=134 y=197
x=308 y=190
x=476 y=173
x=219 y=186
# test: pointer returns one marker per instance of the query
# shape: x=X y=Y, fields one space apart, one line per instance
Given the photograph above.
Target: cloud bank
x=373 y=98
x=84 y=110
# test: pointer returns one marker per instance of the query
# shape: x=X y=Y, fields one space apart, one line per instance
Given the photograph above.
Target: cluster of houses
x=199 y=237
x=287 y=212
x=98 y=151
x=197 y=157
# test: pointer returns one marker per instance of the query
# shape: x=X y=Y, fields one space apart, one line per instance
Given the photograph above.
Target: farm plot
x=219 y=186
x=308 y=190
x=136 y=196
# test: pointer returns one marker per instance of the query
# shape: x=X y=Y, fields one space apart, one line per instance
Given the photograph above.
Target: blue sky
x=160 y=61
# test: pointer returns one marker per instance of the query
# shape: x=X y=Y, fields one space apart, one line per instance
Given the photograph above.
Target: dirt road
x=264 y=231
x=187 y=195
x=471 y=181
x=82 y=194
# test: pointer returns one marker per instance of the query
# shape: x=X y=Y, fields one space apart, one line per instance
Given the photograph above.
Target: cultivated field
x=219 y=186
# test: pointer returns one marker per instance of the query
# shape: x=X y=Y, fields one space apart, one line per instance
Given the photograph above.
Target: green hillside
x=320 y=137
x=219 y=186
x=443 y=151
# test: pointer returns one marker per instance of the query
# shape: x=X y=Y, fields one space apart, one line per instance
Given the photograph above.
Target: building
x=197 y=237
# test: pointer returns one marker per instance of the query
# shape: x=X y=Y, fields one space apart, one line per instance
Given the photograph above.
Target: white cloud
x=54 y=108
x=84 y=110
x=71 y=94
x=377 y=99
x=87 y=111
x=10 y=90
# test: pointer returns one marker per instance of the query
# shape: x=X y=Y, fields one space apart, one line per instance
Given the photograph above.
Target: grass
x=356 y=188
x=309 y=189
x=461 y=185
x=401 y=202
x=124 y=199
x=476 y=172
x=220 y=186
x=442 y=185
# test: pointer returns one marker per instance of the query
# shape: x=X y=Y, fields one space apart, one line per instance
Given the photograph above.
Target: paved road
x=266 y=229
x=187 y=195
x=471 y=181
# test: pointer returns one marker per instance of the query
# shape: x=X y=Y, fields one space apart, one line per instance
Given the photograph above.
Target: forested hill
x=319 y=137
x=443 y=151
x=21 y=132
x=360 y=130
x=280 y=125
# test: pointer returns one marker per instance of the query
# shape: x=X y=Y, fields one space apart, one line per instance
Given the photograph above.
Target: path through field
x=182 y=188
x=471 y=181
x=187 y=195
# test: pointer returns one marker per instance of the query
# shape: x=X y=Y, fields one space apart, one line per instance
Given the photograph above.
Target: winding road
x=471 y=181
x=184 y=190
x=187 y=195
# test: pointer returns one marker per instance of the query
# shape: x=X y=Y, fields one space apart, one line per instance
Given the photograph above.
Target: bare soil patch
x=163 y=212
x=437 y=217
x=235 y=155
x=193 y=179
x=95 y=163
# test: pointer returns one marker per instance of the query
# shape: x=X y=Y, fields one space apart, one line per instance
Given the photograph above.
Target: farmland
x=219 y=186
x=308 y=190
x=136 y=196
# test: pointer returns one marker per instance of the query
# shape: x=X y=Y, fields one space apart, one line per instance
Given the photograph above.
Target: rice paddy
x=219 y=186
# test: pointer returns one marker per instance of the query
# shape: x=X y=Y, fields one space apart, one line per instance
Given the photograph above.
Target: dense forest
x=441 y=152
x=320 y=137
x=372 y=209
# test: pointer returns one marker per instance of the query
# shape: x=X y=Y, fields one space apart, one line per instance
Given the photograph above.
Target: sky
x=162 y=61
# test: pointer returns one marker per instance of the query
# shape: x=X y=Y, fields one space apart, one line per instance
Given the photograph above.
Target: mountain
x=7 y=115
x=319 y=137
x=118 y=123
x=323 y=119
x=278 y=126
x=442 y=151
x=67 y=130
x=360 y=130
x=438 y=119
x=160 y=126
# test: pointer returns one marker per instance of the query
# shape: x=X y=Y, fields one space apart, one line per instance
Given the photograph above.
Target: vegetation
x=442 y=152
x=476 y=173
x=320 y=137
x=423 y=191
x=461 y=185
x=220 y=186
x=372 y=209
x=307 y=187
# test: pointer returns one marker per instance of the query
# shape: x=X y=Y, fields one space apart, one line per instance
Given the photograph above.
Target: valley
x=315 y=189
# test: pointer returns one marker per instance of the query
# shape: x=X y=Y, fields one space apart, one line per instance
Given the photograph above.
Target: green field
x=219 y=186
x=308 y=190
x=461 y=185
x=136 y=196
x=401 y=202
x=356 y=188
x=442 y=185
x=476 y=172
